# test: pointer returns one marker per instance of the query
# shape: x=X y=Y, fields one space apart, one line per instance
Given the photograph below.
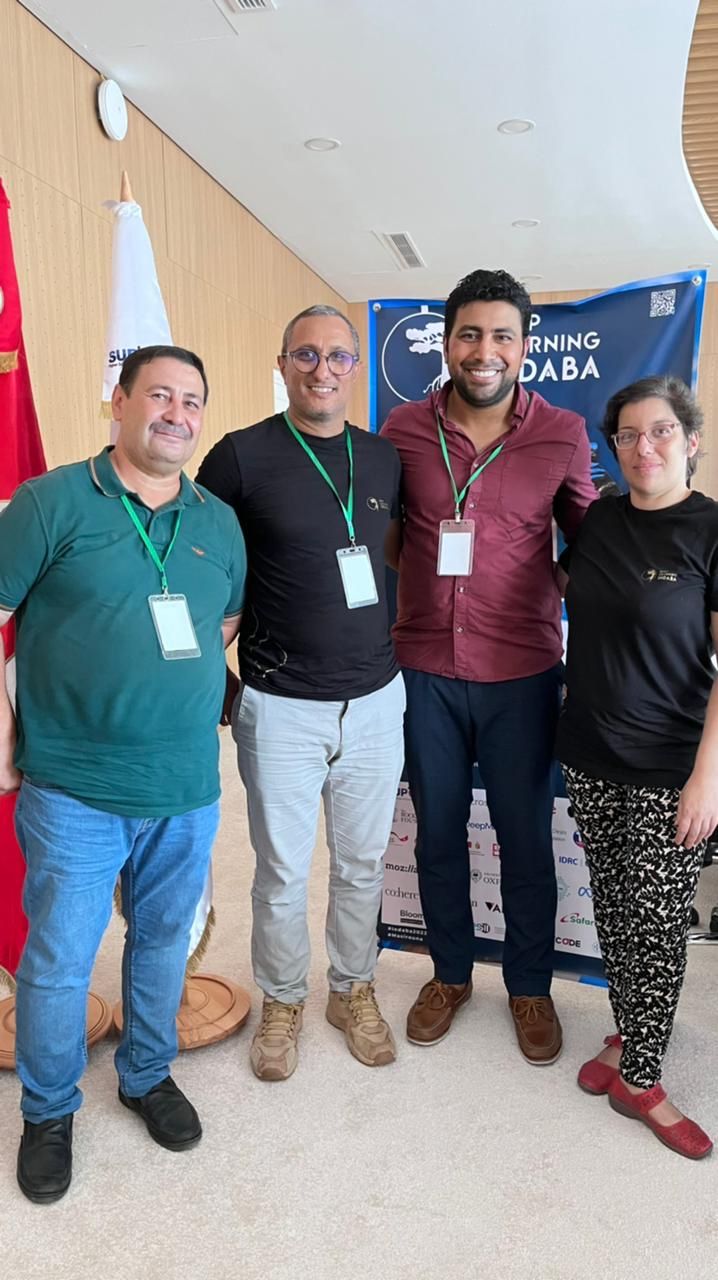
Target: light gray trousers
x=293 y=753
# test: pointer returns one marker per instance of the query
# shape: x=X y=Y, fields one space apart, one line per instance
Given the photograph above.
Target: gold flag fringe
x=106 y=409
x=7 y=979
x=199 y=952
x=8 y=361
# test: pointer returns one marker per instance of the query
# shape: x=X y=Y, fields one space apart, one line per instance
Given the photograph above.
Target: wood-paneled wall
x=707 y=477
x=228 y=284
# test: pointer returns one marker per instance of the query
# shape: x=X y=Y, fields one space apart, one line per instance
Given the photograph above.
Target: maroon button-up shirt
x=503 y=620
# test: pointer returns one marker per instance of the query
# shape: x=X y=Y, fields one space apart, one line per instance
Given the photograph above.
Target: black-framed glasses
x=306 y=360
x=659 y=433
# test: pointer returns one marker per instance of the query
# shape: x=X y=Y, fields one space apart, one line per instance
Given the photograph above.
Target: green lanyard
x=459 y=497
x=348 y=510
x=153 y=553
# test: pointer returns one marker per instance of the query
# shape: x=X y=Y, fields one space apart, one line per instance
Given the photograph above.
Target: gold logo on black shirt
x=659 y=575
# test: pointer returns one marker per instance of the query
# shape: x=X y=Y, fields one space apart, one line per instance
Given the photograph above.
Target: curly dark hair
x=666 y=387
x=488 y=286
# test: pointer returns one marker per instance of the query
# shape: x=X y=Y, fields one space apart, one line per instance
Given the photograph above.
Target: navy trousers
x=508 y=728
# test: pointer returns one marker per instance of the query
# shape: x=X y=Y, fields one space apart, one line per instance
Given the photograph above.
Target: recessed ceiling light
x=516 y=126
x=529 y=279
x=699 y=266
x=526 y=222
x=322 y=144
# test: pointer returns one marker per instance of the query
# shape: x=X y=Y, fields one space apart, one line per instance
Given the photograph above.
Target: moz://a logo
x=412 y=357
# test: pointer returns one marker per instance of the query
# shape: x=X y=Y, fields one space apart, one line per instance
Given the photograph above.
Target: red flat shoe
x=594 y=1076
x=685 y=1136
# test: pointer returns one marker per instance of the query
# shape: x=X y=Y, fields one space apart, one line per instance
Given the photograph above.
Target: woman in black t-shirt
x=638 y=736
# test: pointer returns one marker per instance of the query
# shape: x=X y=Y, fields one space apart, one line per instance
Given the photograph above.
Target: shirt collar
x=106 y=479
x=519 y=409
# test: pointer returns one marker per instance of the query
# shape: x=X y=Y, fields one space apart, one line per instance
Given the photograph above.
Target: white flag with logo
x=137 y=312
x=138 y=318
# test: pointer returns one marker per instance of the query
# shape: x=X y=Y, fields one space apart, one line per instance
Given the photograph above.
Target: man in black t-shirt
x=319 y=713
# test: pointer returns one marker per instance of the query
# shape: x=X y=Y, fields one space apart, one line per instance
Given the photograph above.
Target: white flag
x=137 y=313
x=138 y=319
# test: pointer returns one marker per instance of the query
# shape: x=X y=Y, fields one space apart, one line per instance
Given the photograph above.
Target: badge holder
x=456 y=548
x=357 y=577
x=173 y=625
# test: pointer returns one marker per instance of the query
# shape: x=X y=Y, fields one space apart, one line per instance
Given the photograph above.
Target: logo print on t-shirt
x=377 y=504
x=659 y=575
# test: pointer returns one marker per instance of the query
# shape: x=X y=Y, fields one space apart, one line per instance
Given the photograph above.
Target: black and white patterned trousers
x=643 y=886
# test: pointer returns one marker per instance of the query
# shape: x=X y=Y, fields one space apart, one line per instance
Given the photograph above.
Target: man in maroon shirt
x=486 y=466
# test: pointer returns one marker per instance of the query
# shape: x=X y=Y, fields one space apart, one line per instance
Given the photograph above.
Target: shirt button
x=462 y=589
x=459 y=629
x=472 y=506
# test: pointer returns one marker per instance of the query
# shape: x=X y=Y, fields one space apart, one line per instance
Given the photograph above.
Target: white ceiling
x=415 y=89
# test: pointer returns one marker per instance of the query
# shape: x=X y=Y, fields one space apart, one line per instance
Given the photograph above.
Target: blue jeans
x=508 y=728
x=74 y=855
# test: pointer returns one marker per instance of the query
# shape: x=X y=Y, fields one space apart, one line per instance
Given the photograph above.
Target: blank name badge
x=456 y=548
x=357 y=577
x=173 y=625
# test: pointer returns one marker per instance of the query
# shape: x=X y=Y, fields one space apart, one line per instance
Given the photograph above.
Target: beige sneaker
x=273 y=1054
x=357 y=1014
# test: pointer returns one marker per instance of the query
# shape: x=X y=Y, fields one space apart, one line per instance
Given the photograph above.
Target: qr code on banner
x=663 y=302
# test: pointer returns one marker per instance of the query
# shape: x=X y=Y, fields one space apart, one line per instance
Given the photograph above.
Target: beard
x=478 y=397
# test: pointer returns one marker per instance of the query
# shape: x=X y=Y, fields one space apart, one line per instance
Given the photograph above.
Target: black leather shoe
x=170 y=1117
x=44 y=1161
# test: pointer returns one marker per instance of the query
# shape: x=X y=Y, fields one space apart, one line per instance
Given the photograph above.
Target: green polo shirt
x=101 y=714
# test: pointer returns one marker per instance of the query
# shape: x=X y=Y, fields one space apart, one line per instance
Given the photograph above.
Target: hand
x=10 y=779
x=231 y=690
x=697 y=810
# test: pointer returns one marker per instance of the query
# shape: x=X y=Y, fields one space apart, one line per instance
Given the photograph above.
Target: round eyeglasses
x=659 y=433
x=306 y=360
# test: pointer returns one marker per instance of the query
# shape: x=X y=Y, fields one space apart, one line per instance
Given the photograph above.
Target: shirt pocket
x=529 y=484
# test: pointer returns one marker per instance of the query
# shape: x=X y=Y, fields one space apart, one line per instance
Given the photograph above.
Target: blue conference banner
x=579 y=354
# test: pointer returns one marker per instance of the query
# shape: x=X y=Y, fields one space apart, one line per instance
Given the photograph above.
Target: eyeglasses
x=306 y=360
x=659 y=433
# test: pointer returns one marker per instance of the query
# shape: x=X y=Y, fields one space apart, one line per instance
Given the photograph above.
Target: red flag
x=21 y=456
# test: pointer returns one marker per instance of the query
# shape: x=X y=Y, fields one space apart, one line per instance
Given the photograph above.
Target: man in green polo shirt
x=126 y=581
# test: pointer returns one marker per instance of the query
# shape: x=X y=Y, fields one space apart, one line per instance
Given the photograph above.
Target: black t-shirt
x=298 y=638
x=639 y=673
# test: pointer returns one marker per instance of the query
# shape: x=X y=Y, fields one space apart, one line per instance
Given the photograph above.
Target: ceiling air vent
x=249 y=6
x=402 y=249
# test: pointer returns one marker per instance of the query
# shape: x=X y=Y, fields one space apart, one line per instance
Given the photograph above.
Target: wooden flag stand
x=99 y=1021
x=212 y=1008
